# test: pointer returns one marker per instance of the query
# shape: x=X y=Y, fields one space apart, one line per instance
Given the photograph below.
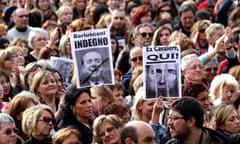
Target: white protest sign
x=92 y=56
x=64 y=66
x=162 y=75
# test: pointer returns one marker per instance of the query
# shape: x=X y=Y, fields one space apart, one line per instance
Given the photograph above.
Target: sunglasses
x=48 y=119
x=202 y=30
x=10 y=131
x=211 y=69
x=109 y=129
x=144 y=34
x=137 y=58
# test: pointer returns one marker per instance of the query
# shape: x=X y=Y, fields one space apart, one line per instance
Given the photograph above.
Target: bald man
x=137 y=132
x=21 y=28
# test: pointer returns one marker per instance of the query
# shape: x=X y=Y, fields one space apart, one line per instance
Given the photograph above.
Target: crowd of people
x=37 y=108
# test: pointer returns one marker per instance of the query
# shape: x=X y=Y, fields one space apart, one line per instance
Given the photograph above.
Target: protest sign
x=161 y=69
x=64 y=66
x=92 y=57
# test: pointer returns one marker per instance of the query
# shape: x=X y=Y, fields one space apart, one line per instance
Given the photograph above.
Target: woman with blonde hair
x=23 y=44
x=45 y=87
x=106 y=129
x=142 y=108
x=37 y=122
x=65 y=47
x=198 y=35
x=226 y=119
x=223 y=89
x=101 y=97
x=3 y=31
x=65 y=15
x=235 y=72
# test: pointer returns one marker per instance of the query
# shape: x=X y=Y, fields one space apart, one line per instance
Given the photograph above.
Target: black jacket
x=86 y=132
x=213 y=137
x=32 y=140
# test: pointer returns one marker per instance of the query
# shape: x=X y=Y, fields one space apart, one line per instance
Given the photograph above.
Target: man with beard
x=185 y=123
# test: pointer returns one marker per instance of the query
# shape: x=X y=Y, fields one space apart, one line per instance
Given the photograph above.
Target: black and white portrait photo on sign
x=94 y=65
x=64 y=66
x=92 y=57
x=162 y=72
x=162 y=80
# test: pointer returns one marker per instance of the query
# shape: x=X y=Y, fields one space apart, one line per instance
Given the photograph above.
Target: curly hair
x=139 y=13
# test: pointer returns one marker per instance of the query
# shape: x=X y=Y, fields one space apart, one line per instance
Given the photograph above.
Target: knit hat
x=7 y=12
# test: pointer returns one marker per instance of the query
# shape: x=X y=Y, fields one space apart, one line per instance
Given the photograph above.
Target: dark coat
x=32 y=140
x=86 y=132
x=213 y=137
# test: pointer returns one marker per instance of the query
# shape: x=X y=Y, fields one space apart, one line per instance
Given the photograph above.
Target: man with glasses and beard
x=185 y=123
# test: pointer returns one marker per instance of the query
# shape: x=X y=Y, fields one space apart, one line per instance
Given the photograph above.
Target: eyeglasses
x=10 y=131
x=48 y=119
x=211 y=69
x=174 y=118
x=165 y=11
x=137 y=58
x=144 y=34
x=202 y=30
x=109 y=129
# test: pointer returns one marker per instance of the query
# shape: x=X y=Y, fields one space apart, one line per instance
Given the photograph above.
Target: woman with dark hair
x=8 y=90
x=164 y=11
x=161 y=36
x=120 y=109
x=41 y=10
x=17 y=106
x=115 y=48
x=99 y=10
x=199 y=92
x=77 y=112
